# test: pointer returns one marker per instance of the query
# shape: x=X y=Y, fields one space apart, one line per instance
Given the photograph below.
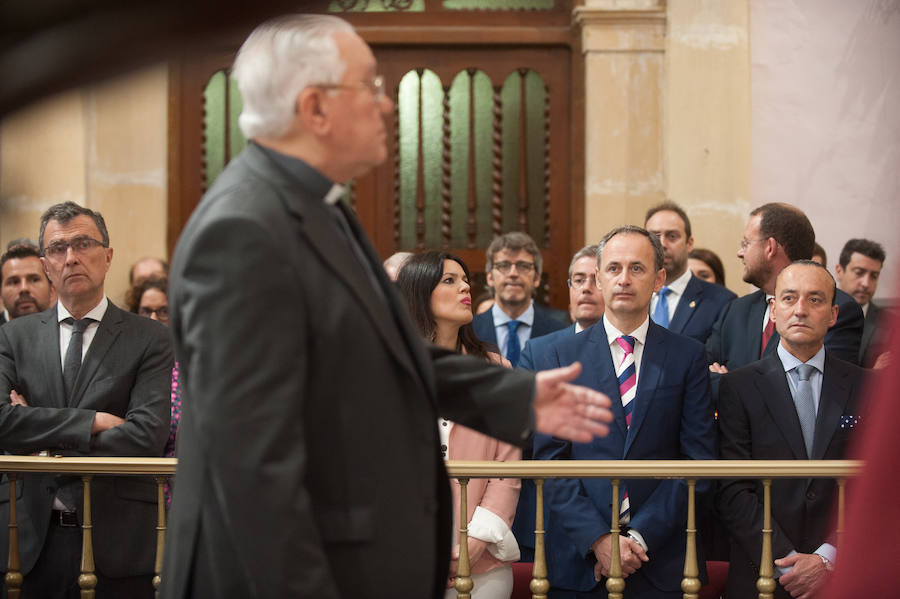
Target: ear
x=834 y=313
x=489 y=277
x=838 y=270
x=772 y=309
x=771 y=247
x=312 y=109
x=109 y=255
x=660 y=279
x=690 y=244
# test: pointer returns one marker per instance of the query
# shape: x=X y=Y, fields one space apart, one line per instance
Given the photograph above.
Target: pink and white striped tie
x=627 y=375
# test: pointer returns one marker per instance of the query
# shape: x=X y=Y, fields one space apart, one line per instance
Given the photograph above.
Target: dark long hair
x=712 y=260
x=134 y=295
x=420 y=274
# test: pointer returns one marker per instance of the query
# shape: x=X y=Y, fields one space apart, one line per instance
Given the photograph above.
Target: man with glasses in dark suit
x=83 y=378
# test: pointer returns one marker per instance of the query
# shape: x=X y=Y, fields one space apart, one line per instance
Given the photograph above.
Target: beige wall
x=668 y=116
x=102 y=147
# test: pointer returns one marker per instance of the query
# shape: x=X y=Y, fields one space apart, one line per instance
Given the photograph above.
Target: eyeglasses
x=745 y=243
x=162 y=312
x=579 y=282
x=375 y=85
x=521 y=266
x=57 y=250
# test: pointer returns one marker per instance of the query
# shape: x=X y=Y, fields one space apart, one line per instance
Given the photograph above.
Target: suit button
x=811 y=495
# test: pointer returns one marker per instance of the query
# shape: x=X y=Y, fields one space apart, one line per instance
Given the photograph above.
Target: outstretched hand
x=569 y=411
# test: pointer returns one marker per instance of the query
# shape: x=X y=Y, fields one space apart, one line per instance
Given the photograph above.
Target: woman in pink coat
x=435 y=286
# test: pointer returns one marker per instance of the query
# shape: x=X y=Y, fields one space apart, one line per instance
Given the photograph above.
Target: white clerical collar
x=334 y=194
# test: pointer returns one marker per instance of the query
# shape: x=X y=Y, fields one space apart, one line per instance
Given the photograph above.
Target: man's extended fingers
x=558 y=376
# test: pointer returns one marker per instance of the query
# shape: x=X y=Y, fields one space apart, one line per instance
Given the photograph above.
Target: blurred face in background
x=155 y=305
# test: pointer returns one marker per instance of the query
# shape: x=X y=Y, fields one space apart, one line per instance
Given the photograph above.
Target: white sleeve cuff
x=637 y=537
x=828 y=551
x=492 y=529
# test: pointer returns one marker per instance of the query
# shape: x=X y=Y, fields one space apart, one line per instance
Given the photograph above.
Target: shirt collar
x=678 y=285
x=96 y=312
x=640 y=333
x=789 y=361
x=501 y=317
x=318 y=184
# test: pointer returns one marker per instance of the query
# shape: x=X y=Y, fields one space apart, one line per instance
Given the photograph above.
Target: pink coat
x=498 y=495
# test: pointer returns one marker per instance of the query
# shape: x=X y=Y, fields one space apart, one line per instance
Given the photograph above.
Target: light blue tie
x=513 y=347
x=806 y=408
x=661 y=313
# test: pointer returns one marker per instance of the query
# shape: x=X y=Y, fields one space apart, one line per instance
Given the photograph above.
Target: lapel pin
x=692 y=304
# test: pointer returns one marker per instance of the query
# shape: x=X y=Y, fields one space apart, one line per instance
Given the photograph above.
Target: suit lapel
x=48 y=345
x=652 y=362
x=774 y=390
x=601 y=375
x=832 y=403
x=690 y=299
x=107 y=332
x=321 y=230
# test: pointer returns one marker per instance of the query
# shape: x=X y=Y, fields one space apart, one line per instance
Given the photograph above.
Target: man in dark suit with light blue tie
x=685 y=304
x=659 y=386
x=586 y=305
x=514 y=271
x=797 y=403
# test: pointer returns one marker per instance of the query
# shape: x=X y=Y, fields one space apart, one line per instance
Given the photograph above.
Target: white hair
x=278 y=60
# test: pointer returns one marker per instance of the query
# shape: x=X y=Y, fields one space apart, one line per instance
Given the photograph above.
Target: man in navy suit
x=857 y=273
x=775 y=236
x=685 y=304
x=659 y=386
x=514 y=271
x=586 y=306
x=798 y=403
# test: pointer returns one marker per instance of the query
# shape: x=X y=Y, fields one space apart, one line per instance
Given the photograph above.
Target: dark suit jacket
x=546 y=320
x=758 y=420
x=536 y=346
x=126 y=371
x=309 y=462
x=874 y=337
x=698 y=308
x=737 y=334
x=2 y=318
x=672 y=420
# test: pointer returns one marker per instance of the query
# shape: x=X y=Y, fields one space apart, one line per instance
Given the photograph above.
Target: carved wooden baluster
x=226 y=139
x=546 y=167
x=615 y=584
x=203 y=163
x=539 y=586
x=690 y=585
x=471 y=196
x=523 y=152
x=497 y=164
x=766 y=583
x=464 y=584
x=160 y=531
x=14 y=578
x=397 y=199
x=420 y=172
x=87 y=582
x=446 y=198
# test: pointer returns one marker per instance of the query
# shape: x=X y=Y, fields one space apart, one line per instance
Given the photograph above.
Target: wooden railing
x=616 y=471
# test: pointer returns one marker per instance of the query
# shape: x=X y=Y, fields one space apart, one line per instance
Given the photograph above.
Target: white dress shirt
x=676 y=290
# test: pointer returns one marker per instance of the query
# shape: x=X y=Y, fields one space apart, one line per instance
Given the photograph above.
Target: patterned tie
x=767 y=334
x=627 y=375
x=72 y=362
x=806 y=407
x=661 y=313
x=513 y=347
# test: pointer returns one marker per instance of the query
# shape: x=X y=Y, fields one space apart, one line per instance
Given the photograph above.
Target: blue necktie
x=806 y=407
x=513 y=348
x=661 y=313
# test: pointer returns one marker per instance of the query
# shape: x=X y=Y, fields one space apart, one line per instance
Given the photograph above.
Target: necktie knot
x=626 y=342
x=664 y=291
x=79 y=325
x=805 y=371
x=513 y=326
